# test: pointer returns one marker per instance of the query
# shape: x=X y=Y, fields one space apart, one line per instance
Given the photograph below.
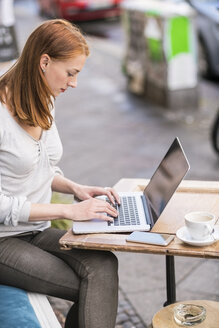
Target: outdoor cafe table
x=190 y=196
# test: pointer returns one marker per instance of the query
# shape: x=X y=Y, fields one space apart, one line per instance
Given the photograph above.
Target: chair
x=21 y=309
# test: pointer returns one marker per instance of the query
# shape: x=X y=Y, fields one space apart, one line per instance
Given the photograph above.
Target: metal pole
x=170 y=280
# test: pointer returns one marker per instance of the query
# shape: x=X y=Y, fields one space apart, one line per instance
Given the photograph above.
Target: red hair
x=23 y=88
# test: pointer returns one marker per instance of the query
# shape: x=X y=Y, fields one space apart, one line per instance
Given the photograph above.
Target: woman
x=30 y=148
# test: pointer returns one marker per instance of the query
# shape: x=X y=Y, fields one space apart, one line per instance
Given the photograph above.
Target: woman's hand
x=85 y=192
x=64 y=185
x=91 y=208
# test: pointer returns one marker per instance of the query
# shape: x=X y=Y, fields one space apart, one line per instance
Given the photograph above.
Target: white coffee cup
x=200 y=225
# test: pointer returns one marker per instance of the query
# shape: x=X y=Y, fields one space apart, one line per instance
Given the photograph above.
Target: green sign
x=179 y=30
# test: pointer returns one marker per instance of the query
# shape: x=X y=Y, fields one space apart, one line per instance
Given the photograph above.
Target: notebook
x=139 y=211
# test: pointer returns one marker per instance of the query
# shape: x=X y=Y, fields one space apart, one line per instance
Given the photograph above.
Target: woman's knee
x=107 y=260
x=110 y=262
x=102 y=264
x=114 y=261
x=104 y=274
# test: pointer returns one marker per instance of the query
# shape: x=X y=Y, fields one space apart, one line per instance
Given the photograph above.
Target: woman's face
x=61 y=74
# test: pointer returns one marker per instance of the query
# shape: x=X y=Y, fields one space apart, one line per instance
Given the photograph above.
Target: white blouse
x=27 y=169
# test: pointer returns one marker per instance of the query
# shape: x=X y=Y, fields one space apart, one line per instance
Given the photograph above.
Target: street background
x=109 y=134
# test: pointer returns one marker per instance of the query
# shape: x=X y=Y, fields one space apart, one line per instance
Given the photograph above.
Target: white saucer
x=184 y=236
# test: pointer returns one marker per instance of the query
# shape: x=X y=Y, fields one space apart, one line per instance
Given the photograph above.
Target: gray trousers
x=88 y=278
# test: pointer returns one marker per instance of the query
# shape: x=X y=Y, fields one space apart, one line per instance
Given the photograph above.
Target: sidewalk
x=127 y=316
x=109 y=134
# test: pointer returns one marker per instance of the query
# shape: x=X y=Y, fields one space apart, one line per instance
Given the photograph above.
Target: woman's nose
x=73 y=83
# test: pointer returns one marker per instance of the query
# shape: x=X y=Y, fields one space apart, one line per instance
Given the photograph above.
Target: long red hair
x=23 y=88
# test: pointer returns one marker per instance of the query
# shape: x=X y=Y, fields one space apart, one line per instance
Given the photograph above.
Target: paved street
x=109 y=134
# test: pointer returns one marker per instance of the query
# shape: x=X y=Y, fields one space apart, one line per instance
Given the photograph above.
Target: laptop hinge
x=146 y=210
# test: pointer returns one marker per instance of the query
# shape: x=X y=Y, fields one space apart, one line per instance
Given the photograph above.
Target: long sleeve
x=54 y=149
x=57 y=170
x=14 y=209
x=27 y=169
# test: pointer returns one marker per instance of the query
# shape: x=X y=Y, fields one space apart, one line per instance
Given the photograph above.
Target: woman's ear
x=44 y=60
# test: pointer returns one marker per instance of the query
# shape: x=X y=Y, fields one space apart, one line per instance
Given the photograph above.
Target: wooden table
x=190 y=196
x=165 y=317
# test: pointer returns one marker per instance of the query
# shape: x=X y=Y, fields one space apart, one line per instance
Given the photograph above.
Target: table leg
x=170 y=280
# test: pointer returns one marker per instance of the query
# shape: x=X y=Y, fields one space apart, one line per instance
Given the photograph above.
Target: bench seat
x=21 y=309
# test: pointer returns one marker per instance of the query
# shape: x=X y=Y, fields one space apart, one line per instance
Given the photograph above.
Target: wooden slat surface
x=190 y=196
x=181 y=203
x=164 y=317
x=117 y=242
x=185 y=185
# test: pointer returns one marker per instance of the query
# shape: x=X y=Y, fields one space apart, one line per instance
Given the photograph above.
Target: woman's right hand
x=90 y=209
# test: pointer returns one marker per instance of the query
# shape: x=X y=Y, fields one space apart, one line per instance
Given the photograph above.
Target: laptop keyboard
x=128 y=213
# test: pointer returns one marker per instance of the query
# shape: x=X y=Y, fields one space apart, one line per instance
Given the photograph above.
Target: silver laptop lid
x=166 y=179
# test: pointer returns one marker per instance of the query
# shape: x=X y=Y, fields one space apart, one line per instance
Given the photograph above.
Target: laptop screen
x=166 y=179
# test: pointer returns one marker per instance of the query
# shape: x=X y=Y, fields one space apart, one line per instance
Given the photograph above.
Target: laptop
x=139 y=211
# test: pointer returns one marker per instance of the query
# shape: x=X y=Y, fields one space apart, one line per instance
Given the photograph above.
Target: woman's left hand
x=85 y=192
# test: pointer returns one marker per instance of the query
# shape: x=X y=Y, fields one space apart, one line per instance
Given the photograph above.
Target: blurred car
x=208 y=36
x=80 y=10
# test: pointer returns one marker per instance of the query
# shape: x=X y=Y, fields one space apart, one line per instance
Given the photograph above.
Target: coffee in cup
x=200 y=225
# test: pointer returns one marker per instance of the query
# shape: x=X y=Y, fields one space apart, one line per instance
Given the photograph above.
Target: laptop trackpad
x=94 y=225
